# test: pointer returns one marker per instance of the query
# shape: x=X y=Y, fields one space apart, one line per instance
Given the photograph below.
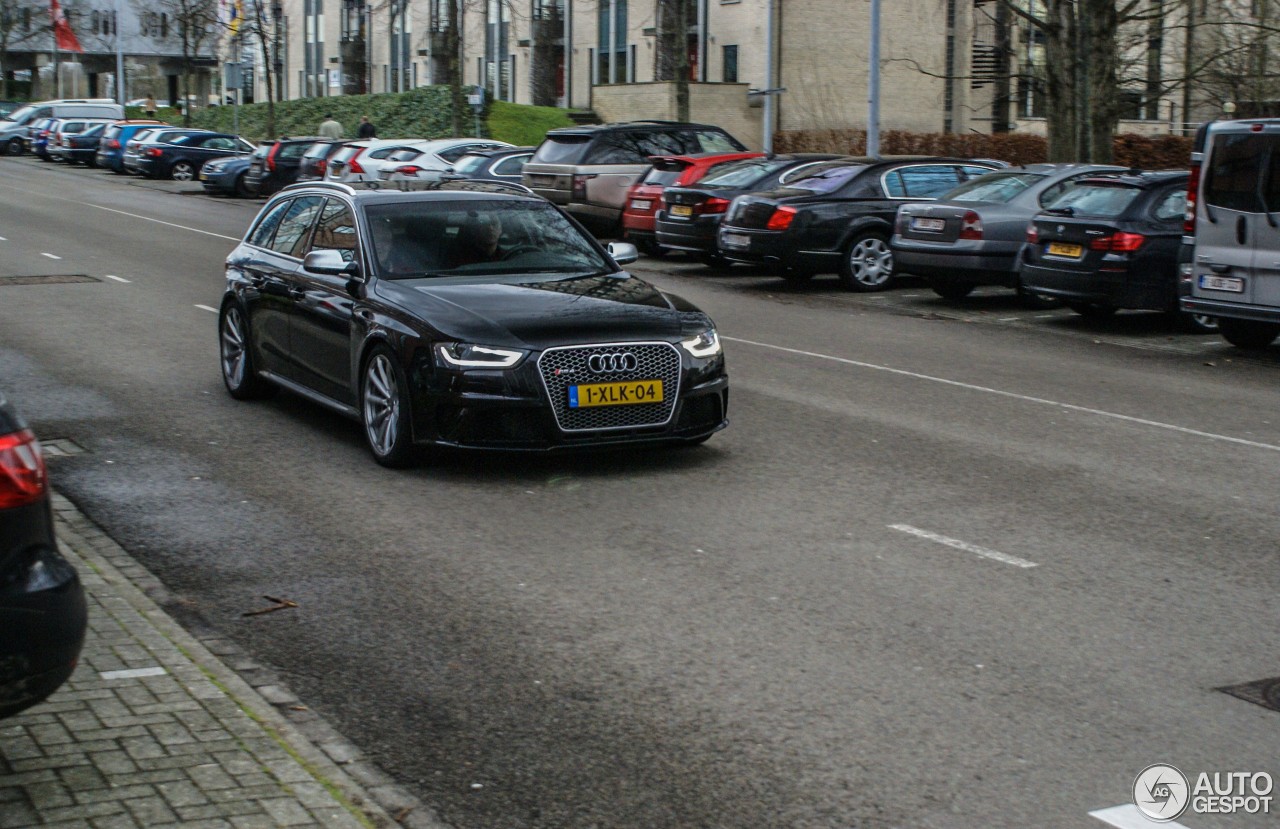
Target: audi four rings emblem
x=612 y=363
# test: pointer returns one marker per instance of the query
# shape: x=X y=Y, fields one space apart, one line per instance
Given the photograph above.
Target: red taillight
x=1119 y=242
x=113 y=144
x=271 y=157
x=1193 y=187
x=353 y=166
x=22 y=472
x=781 y=218
x=408 y=170
x=321 y=166
x=715 y=204
x=155 y=152
x=971 y=225
x=1033 y=235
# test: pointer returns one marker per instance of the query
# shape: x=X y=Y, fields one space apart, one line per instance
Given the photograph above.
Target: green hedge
x=418 y=113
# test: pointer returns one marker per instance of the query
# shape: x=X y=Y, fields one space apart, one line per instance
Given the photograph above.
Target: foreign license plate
x=1234 y=284
x=739 y=241
x=641 y=204
x=684 y=211
x=928 y=225
x=1064 y=249
x=615 y=394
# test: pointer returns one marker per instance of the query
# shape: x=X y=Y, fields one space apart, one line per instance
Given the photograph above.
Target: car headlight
x=468 y=355
x=706 y=344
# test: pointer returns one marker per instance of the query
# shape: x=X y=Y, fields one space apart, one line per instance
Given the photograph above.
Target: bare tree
x=671 y=52
x=262 y=23
x=21 y=23
x=194 y=24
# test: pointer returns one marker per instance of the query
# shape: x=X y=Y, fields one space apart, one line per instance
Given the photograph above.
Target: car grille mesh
x=564 y=367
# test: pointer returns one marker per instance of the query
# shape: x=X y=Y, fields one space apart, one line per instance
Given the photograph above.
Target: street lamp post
x=873 y=84
x=277 y=65
x=115 y=28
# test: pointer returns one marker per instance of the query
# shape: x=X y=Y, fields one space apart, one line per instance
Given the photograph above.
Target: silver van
x=1231 y=238
x=13 y=129
x=589 y=170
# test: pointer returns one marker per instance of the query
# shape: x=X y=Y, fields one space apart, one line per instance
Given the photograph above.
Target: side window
x=968 y=173
x=894 y=187
x=1235 y=166
x=294 y=151
x=1170 y=205
x=714 y=141
x=291 y=238
x=336 y=230
x=383 y=152
x=618 y=147
x=219 y=144
x=261 y=235
x=510 y=166
x=928 y=181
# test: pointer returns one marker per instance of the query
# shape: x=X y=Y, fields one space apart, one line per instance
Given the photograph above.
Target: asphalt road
x=824 y=617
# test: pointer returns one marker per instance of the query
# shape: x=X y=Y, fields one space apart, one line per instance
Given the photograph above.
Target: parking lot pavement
x=154 y=730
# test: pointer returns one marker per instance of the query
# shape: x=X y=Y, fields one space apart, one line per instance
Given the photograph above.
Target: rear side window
x=742 y=173
x=920 y=182
x=827 y=179
x=510 y=166
x=295 y=228
x=292 y=151
x=715 y=141
x=1171 y=205
x=1235 y=167
x=261 y=235
x=665 y=174
x=562 y=149
x=1102 y=201
x=469 y=163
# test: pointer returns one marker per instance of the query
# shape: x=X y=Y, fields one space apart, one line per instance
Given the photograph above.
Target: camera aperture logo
x=1160 y=792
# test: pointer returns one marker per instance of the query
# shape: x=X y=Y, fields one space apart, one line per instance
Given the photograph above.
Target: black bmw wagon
x=451 y=317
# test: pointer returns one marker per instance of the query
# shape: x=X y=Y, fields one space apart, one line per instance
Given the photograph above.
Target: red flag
x=66 y=39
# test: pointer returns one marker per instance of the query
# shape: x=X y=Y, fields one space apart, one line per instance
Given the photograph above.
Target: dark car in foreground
x=1112 y=242
x=181 y=157
x=227 y=177
x=276 y=164
x=972 y=235
x=689 y=217
x=42 y=605
x=839 y=217
x=466 y=319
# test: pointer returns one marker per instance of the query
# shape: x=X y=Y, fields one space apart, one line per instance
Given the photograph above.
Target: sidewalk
x=153 y=730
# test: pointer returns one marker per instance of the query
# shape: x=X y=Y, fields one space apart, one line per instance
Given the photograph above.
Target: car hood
x=541 y=311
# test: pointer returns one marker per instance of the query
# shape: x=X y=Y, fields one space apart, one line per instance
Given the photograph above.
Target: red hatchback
x=645 y=196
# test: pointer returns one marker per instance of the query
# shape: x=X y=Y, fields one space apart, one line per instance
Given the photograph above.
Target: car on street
x=1111 y=242
x=838 y=217
x=16 y=127
x=359 y=160
x=589 y=169
x=315 y=160
x=227 y=177
x=645 y=196
x=6 y=107
x=133 y=151
x=43 y=613
x=181 y=158
x=689 y=217
x=452 y=318
x=110 y=155
x=275 y=164
x=503 y=165
x=79 y=147
x=429 y=160
x=972 y=235
x=38 y=137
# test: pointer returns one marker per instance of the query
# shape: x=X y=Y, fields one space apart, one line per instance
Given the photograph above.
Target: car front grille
x=563 y=367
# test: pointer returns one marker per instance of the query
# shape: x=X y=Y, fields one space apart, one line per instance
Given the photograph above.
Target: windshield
x=827 y=178
x=21 y=113
x=461 y=238
x=665 y=174
x=469 y=163
x=562 y=149
x=317 y=151
x=998 y=188
x=1104 y=201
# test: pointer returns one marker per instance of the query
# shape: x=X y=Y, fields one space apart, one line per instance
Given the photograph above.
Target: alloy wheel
x=381 y=405
x=233 y=347
x=183 y=171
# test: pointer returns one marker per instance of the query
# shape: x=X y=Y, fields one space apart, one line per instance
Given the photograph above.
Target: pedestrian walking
x=366 y=129
x=330 y=127
x=149 y=107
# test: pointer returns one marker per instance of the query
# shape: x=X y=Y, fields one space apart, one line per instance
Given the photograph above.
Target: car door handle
x=1220 y=268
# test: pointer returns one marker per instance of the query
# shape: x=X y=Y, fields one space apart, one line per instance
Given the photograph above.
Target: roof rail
x=335 y=185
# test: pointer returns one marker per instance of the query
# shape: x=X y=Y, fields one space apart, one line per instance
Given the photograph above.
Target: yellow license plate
x=615 y=394
x=204 y=177
x=1063 y=249
x=681 y=210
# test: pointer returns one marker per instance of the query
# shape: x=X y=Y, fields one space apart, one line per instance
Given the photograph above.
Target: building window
x=612 y=54
x=731 y=64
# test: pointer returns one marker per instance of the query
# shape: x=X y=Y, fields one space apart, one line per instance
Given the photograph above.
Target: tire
x=242 y=187
x=1248 y=334
x=867 y=264
x=949 y=288
x=385 y=409
x=235 y=356
x=1091 y=310
x=13 y=147
x=182 y=171
x=1195 y=323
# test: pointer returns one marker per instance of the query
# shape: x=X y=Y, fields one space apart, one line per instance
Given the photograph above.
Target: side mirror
x=330 y=263
x=623 y=253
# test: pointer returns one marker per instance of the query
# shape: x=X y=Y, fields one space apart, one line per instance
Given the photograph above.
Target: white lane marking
x=964 y=545
x=1026 y=398
x=1128 y=817
x=1007 y=319
x=2 y=239
x=133 y=673
x=207 y=308
x=50 y=255
x=160 y=222
x=116 y=278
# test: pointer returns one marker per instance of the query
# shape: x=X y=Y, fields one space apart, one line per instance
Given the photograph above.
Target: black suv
x=589 y=170
x=839 y=217
x=276 y=164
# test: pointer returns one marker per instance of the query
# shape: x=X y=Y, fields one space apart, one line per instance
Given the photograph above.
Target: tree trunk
x=1099 y=22
x=1059 y=81
x=453 y=44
